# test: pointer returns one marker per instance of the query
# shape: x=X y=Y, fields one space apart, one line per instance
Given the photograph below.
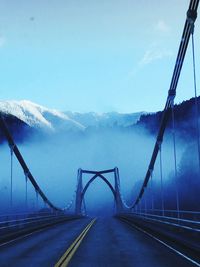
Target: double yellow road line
x=66 y=257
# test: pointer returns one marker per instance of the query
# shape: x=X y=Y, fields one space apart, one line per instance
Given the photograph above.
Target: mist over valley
x=55 y=144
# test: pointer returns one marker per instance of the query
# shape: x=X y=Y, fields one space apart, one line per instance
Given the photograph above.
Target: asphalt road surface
x=108 y=242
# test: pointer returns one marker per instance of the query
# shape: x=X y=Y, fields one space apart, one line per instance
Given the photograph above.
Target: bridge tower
x=119 y=204
x=80 y=191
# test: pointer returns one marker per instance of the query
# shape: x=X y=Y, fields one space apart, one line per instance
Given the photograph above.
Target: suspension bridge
x=143 y=233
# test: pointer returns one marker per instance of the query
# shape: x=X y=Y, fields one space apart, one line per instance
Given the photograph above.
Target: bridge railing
x=181 y=214
x=24 y=224
x=192 y=223
x=22 y=220
x=184 y=232
x=21 y=215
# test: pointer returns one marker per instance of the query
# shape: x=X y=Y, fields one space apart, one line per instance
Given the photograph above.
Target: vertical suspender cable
x=26 y=190
x=141 y=207
x=152 y=196
x=145 y=203
x=196 y=100
x=136 y=209
x=11 y=176
x=22 y=162
x=84 y=206
x=44 y=204
x=161 y=181
x=175 y=161
x=36 y=192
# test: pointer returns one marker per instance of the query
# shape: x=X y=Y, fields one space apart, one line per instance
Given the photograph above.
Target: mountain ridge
x=33 y=118
x=38 y=116
x=51 y=119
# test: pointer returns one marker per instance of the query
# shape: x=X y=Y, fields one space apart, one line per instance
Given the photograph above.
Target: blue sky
x=93 y=55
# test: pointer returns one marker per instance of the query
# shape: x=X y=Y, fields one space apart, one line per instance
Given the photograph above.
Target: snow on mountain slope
x=110 y=119
x=38 y=116
x=50 y=119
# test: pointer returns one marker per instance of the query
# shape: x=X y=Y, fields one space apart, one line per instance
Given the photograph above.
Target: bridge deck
x=109 y=242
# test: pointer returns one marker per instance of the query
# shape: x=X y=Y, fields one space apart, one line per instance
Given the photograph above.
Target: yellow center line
x=66 y=257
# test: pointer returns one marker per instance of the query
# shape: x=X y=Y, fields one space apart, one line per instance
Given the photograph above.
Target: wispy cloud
x=157 y=49
x=161 y=26
x=154 y=53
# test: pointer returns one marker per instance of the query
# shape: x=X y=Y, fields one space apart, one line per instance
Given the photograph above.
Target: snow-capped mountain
x=38 y=116
x=110 y=119
x=41 y=117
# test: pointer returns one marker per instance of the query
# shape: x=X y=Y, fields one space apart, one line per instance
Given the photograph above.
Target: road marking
x=29 y=234
x=66 y=257
x=165 y=244
x=21 y=237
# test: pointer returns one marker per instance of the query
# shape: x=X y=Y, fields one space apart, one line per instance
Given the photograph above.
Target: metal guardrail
x=5 y=225
x=14 y=228
x=167 y=229
x=18 y=215
x=186 y=224
x=180 y=222
x=182 y=214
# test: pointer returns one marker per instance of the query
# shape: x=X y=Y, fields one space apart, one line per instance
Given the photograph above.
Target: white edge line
x=168 y=246
x=21 y=237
